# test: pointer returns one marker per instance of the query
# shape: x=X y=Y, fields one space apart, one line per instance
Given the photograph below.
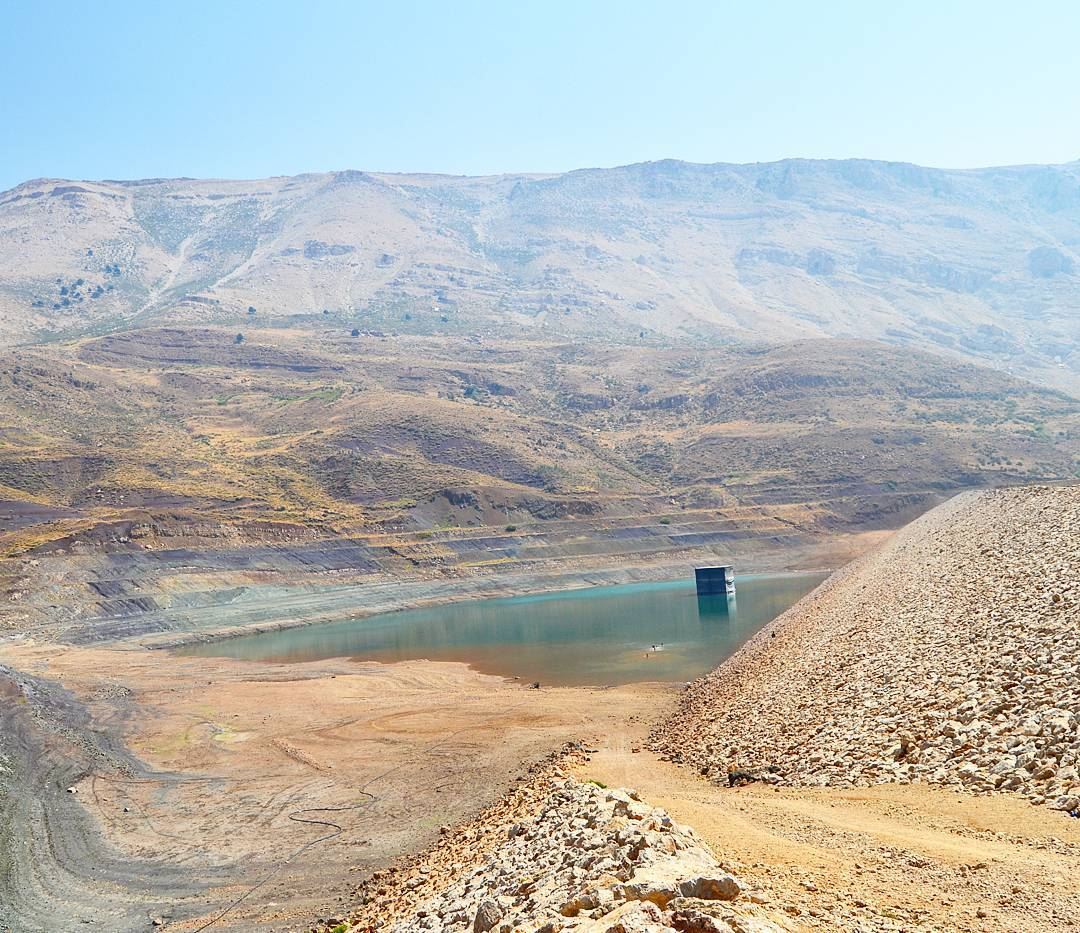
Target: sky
x=135 y=89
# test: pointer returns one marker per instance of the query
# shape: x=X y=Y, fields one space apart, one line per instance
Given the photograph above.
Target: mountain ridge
x=666 y=161
x=981 y=264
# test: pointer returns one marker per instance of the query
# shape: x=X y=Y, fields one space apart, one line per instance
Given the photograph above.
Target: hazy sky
x=137 y=89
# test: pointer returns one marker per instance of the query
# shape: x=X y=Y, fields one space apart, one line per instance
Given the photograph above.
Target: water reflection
x=605 y=635
x=718 y=606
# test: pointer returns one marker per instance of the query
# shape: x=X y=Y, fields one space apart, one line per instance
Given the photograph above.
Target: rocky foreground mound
x=561 y=855
x=949 y=656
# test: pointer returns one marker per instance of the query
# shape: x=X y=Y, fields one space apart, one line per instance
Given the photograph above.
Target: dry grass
x=178 y=420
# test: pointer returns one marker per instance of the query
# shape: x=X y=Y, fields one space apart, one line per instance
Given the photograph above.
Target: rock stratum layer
x=948 y=656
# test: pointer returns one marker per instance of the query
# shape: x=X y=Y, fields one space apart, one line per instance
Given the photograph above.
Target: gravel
x=948 y=656
x=560 y=855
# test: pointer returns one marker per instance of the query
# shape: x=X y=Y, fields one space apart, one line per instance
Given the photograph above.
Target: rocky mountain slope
x=981 y=264
x=949 y=656
x=180 y=478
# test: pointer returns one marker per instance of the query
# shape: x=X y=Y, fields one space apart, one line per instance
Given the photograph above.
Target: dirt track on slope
x=880 y=858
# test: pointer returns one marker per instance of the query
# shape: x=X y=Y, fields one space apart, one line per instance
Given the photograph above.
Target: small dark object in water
x=738 y=778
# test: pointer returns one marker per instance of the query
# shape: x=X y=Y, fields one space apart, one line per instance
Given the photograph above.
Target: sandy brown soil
x=261 y=794
x=881 y=858
x=246 y=765
x=886 y=858
x=981 y=585
x=221 y=767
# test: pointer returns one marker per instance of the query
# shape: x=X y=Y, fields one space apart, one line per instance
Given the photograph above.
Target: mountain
x=214 y=390
x=163 y=478
x=321 y=429
x=983 y=265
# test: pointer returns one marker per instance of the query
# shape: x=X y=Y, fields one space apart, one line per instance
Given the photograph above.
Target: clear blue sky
x=240 y=89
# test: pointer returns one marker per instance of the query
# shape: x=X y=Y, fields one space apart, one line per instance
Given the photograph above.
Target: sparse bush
x=511 y=527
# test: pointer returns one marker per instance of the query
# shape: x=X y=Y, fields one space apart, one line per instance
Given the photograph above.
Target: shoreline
x=893 y=852
x=453 y=592
x=453 y=599
x=798 y=613
x=436 y=742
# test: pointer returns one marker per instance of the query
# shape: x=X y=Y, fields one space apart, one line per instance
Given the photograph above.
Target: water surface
x=604 y=635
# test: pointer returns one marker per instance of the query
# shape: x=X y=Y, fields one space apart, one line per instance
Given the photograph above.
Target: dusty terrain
x=141 y=787
x=891 y=848
x=888 y=858
x=251 y=793
x=884 y=858
x=557 y=854
x=978 y=264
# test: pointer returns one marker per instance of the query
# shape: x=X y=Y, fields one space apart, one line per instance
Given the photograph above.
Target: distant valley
x=459 y=377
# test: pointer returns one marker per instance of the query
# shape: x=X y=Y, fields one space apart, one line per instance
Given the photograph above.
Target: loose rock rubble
x=562 y=856
x=950 y=656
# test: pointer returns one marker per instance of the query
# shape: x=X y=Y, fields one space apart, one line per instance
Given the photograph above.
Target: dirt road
x=880 y=858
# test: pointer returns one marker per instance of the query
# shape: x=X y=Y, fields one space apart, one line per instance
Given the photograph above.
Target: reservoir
x=604 y=635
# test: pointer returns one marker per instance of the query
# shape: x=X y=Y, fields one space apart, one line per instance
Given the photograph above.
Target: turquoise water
x=604 y=635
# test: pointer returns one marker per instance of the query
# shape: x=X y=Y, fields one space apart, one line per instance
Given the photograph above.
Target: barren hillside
x=980 y=264
x=328 y=431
